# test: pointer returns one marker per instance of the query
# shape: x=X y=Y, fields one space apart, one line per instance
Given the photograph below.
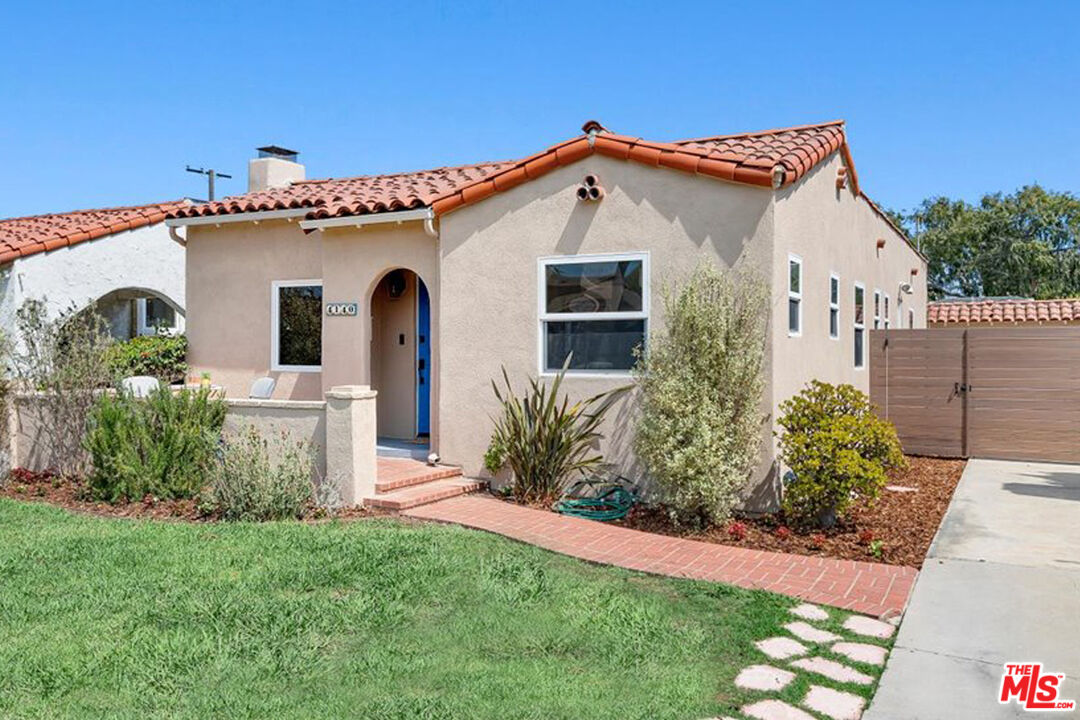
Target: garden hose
x=595 y=499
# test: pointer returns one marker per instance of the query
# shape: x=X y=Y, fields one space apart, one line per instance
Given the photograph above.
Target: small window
x=911 y=318
x=860 y=325
x=296 y=317
x=885 y=307
x=877 y=309
x=794 y=295
x=834 y=306
x=594 y=309
x=155 y=316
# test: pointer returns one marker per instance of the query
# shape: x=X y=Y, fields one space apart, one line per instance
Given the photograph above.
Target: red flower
x=736 y=530
x=817 y=540
x=783 y=532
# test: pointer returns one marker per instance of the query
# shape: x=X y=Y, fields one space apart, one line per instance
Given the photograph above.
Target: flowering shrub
x=737 y=530
x=699 y=432
x=817 y=541
x=838 y=451
x=783 y=532
x=161 y=356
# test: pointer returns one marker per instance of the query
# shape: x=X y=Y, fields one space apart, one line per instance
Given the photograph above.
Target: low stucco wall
x=29 y=445
x=301 y=419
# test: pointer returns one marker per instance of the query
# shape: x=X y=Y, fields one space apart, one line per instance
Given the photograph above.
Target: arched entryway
x=401 y=362
x=138 y=311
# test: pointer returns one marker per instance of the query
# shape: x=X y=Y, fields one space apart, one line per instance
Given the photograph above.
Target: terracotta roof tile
x=992 y=310
x=24 y=236
x=752 y=158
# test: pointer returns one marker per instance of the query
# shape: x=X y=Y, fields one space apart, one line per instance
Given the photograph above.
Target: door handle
x=959 y=387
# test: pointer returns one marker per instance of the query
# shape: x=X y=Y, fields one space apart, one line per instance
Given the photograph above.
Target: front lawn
x=369 y=619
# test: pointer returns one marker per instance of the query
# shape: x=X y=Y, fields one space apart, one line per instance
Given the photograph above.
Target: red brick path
x=869 y=588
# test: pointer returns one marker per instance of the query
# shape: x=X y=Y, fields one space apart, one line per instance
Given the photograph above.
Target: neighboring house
x=425 y=284
x=119 y=258
x=1007 y=312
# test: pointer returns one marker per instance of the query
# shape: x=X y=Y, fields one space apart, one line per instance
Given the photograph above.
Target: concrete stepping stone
x=834 y=703
x=810 y=612
x=809 y=633
x=861 y=652
x=764 y=677
x=775 y=710
x=833 y=670
x=781 y=648
x=862 y=625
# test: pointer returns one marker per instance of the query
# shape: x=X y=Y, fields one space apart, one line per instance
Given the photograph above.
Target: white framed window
x=885 y=307
x=859 y=298
x=595 y=309
x=834 y=306
x=296 y=325
x=154 y=315
x=877 y=308
x=795 y=283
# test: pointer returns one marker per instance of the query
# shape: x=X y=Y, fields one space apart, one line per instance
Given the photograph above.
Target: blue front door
x=423 y=360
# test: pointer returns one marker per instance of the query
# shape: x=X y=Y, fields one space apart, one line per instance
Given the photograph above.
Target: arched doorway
x=401 y=362
x=137 y=311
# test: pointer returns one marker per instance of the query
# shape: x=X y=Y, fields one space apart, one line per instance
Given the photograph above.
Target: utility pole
x=210 y=174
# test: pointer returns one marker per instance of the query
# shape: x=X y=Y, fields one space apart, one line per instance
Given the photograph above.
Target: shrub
x=258 y=480
x=838 y=451
x=162 y=356
x=62 y=359
x=700 y=429
x=737 y=531
x=163 y=445
x=545 y=440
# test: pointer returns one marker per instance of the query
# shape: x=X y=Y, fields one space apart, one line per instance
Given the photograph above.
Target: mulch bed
x=903 y=523
x=70 y=493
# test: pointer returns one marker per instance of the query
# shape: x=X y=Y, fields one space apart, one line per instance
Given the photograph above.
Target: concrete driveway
x=1001 y=584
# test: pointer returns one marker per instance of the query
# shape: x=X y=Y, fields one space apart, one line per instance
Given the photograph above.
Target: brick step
x=416 y=495
x=393 y=479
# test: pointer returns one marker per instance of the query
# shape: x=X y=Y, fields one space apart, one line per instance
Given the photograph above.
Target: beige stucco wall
x=489 y=295
x=834 y=231
x=299 y=420
x=229 y=274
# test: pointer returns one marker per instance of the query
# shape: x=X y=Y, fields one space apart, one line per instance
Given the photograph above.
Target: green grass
x=371 y=619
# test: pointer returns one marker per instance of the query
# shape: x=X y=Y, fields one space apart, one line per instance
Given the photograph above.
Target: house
x=1002 y=312
x=120 y=258
x=425 y=284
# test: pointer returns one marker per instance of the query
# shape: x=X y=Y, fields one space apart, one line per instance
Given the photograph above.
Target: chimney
x=274 y=167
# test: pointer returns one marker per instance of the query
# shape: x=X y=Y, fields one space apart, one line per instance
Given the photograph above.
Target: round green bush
x=838 y=451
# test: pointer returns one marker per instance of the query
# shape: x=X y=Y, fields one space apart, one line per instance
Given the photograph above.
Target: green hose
x=596 y=499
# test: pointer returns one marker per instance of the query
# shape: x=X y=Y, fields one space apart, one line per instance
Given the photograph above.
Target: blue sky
x=105 y=103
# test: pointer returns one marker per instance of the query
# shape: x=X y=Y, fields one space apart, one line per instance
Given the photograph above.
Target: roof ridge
x=316 y=181
x=90 y=210
x=760 y=133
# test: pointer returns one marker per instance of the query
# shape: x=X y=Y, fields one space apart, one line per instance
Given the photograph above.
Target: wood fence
x=1008 y=393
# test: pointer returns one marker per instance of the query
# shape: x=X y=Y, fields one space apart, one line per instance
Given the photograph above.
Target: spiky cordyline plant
x=543 y=439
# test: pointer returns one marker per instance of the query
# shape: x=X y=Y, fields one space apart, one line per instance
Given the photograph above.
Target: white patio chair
x=140 y=386
x=262 y=388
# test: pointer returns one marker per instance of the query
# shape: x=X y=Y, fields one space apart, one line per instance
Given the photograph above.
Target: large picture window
x=594 y=307
x=296 y=318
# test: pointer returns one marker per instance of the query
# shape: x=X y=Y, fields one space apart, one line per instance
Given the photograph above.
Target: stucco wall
x=489 y=293
x=834 y=231
x=145 y=258
x=272 y=418
x=229 y=274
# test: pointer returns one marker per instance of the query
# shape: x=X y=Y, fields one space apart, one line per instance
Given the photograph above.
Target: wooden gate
x=1008 y=393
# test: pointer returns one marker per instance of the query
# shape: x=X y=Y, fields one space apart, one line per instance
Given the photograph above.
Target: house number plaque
x=347 y=309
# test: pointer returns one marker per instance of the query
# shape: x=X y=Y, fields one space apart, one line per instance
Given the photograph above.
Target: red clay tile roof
x=24 y=236
x=362 y=195
x=989 y=310
x=782 y=155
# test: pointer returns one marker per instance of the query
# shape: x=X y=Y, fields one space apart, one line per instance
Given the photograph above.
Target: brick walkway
x=869 y=588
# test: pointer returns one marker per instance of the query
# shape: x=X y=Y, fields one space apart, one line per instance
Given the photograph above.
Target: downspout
x=429 y=226
x=177 y=238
